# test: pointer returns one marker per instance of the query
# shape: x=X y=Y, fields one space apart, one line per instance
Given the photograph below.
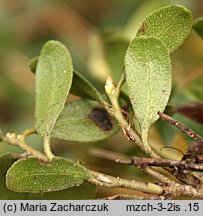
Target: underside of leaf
x=85 y=121
x=53 y=81
x=171 y=24
x=148 y=76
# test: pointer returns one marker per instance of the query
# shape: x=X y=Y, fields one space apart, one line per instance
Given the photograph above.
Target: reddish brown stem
x=181 y=127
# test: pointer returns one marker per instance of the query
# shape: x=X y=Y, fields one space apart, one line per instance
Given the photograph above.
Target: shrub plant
x=99 y=115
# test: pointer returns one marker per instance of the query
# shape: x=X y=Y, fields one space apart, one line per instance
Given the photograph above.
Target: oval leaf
x=53 y=81
x=83 y=88
x=198 y=26
x=171 y=24
x=84 y=121
x=31 y=175
x=148 y=76
x=80 y=86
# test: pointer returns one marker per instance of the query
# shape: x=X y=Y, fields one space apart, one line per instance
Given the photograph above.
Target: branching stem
x=47 y=148
x=132 y=135
x=28 y=132
x=185 y=129
x=18 y=140
x=171 y=188
x=185 y=165
x=113 y=182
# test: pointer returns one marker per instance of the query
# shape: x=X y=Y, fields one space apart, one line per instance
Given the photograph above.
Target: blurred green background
x=97 y=34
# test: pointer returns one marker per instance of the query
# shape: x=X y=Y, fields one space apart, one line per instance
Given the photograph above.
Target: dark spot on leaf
x=101 y=118
x=193 y=110
x=44 y=163
x=143 y=27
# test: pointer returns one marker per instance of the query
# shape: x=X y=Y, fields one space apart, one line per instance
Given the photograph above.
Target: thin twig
x=116 y=182
x=22 y=155
x=185 y=129
x=47 y=148
x=107 y=154
x=175 y=188
x=28 y=132
x=17 y=140
x=171 y=189
x=187 y=178
x=119 y=85
x=131 y=134
x=185 y=165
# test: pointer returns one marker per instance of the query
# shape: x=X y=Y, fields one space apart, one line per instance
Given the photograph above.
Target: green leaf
x=198 y=26
x=83 y=88
x=84 y=191
x=6 y=160
x=171 y=24
x=53 y=81
x=80 y=86
x=32 y=175
x=148 y=76
x=84 y=121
